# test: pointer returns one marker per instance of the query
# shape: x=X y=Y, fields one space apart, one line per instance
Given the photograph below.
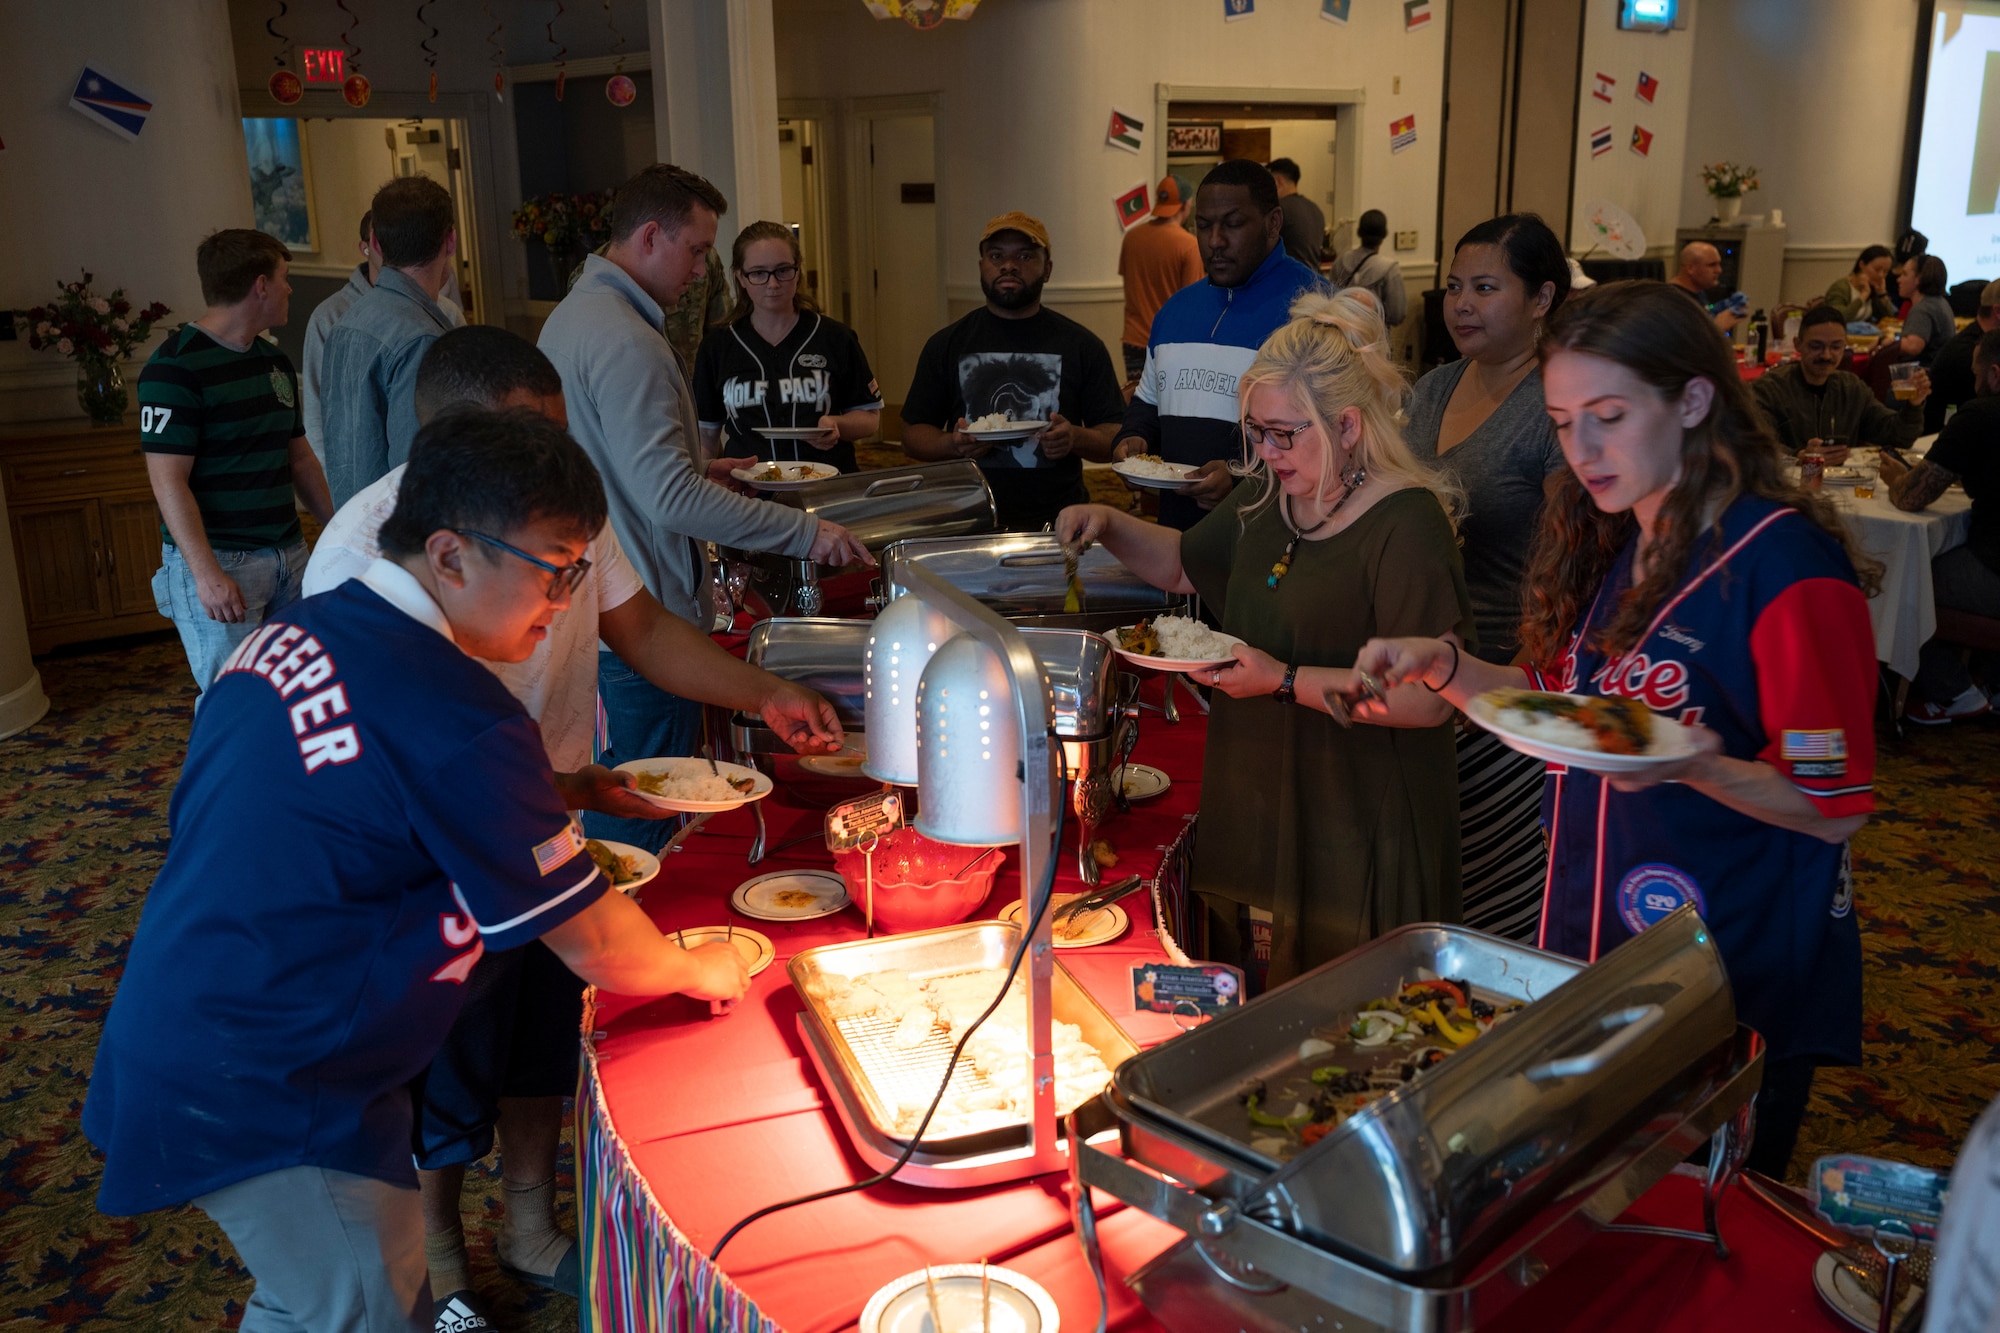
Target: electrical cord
x=1046 y=895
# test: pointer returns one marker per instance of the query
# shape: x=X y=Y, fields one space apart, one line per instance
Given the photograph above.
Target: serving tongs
x=1341 y=703
x=1091 y=902
x=1072 y=579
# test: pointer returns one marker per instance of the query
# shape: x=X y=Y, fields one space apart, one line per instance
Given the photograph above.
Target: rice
x=1188 y=640
x=991 y=421
x=686 y=786
x=1152 y=465
x=1549 y=730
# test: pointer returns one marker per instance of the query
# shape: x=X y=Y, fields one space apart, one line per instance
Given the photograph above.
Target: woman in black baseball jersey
x=779 y=364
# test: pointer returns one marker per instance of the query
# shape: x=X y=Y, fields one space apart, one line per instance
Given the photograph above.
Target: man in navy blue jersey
x=364 y=812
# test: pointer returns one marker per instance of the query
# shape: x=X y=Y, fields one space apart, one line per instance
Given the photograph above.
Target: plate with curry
x=790 y=895
x=626 y=866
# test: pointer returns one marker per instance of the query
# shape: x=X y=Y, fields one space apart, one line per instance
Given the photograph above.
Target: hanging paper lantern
x=357 y=90
x=619 y=90
x=434 y=85
x=561 y=79
x=285 y=87
x=499 y=81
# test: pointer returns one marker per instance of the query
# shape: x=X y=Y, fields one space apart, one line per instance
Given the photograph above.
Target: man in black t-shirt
x=1016 y=358
x=1951 y=373
x=1966 y=578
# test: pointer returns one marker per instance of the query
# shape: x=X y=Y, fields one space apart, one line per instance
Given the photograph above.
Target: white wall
x=1649 y=188
x=1819 y=108
x=78 y=196
x=349 y=162
x=1027 y=88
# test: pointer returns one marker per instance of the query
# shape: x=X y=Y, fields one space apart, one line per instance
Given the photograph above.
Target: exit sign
x=324 y=66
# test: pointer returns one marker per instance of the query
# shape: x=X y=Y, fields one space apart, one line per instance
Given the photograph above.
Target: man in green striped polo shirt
x=226 y=452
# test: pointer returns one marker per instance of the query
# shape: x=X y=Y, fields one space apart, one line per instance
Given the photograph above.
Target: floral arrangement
x=564 y=222
x=92 y=328
x=1728 y=180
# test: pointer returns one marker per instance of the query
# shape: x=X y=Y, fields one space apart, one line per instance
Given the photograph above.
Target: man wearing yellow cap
x=1013 y=360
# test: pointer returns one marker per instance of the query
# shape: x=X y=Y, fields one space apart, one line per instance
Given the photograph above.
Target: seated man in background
x=1966 y=453
x=364 y=812
x=1812 y=402
x=1364 y=267
x=1951 y=373
x=1015 y=357
x=1699 y=274
x=510 y=1057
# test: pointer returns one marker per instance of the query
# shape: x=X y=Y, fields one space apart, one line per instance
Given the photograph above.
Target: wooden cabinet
x=85 y=529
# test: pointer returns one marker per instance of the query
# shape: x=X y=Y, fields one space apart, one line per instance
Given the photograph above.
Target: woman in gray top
x=1482 y=418
x=1930 y=323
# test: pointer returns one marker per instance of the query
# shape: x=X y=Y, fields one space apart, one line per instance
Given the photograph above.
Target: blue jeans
x=269 y=579
x=644 y=722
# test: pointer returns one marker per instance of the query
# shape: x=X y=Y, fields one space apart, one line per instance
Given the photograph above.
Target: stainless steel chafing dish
x=1432 y=1207
x=1022 y=575
x=879 y=508
x=826 y=655
x=869 y=1077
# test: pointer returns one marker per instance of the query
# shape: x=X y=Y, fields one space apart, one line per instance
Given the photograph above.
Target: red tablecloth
x=723 y=1116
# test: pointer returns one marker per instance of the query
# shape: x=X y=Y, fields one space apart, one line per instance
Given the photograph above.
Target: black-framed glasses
x=563 y=578
x=1278 y=437
x=758 y=277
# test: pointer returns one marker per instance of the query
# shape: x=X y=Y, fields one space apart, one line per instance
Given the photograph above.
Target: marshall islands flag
x=110 y=104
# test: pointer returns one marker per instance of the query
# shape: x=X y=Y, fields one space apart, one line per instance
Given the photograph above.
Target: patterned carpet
x=83 y=802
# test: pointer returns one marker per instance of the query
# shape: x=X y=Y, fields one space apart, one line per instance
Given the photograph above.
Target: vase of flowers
x=97 y=332
x=569 y=225
x=1727 y=183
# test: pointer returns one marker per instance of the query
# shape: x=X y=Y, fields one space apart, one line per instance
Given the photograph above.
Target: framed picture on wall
x=281 y=181
x=1202 y=138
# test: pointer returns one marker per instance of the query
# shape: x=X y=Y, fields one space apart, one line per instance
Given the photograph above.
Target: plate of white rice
x=1154 y=472
x=1185 y=645
x=1543 y=726
x=688 y=784
x=998 y=426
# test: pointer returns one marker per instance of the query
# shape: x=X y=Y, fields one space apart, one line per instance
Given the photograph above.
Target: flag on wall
x=1601 y=87
x=1335 y=11
x=1133 y=206
x=1416 y=14
x=1648 y=85
x=1642 y=141
x=1233 y=10
x=116 y=108
x=1600 y=141
x=1402 y=133
x=1127 y=131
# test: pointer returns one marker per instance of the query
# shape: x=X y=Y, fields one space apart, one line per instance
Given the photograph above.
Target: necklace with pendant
x=1351 y=480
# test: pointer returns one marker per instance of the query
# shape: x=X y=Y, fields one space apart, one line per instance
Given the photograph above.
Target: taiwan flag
x=1648 y=85
x=111 y=105
x=1642 y=141
x=1133 y=206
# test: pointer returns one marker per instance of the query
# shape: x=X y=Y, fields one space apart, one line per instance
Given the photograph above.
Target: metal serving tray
x=1023 y=576
x=870 y=1075
x=1426 y=1180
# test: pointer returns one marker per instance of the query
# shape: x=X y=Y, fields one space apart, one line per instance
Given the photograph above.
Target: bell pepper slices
x=1441 y=987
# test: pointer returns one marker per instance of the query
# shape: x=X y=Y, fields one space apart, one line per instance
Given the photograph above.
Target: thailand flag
x=1648 y=85
x=111 y=105
x=1600 y=141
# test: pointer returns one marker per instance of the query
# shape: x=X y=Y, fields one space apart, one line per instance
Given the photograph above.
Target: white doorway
x=802 y=177
x=903 y=297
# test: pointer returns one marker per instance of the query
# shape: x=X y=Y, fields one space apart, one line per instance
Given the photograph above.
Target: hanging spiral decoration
x=430 y=53
x=497 y=53
x=285 y=43
x=562 y=53
x=347 y=34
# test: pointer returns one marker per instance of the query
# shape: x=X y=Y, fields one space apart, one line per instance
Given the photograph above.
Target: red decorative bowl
x=912 y=891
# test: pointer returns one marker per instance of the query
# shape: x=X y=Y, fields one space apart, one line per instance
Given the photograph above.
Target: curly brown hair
x=1667 y=341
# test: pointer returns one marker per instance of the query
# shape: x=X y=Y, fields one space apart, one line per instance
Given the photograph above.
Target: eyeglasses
x=564 y=578
x=758 y=277
x=1278 y=437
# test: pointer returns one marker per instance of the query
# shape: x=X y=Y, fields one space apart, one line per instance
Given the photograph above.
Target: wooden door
x=131 y=552
x=903 y=215
x=60 y=549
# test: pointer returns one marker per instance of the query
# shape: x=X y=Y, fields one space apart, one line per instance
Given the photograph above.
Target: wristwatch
x=1285 y=694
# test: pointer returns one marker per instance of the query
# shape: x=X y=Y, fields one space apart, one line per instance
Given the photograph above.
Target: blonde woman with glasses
x=1338 y=833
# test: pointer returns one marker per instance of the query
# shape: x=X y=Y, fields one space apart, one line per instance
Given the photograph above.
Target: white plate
x=756 y=793
x=648 y=864
x=1143 y=782
x=1846 y=474
x=846 y=764
x=1846 y=1297
x=1020 y=1305
x=1671 y=741
x=1013 y=430
x=791 y=482
x=1133 y=478
x=1166 y=663
x=758 y=897
x=755 y=946
x=789 y=432
x=1099 y=927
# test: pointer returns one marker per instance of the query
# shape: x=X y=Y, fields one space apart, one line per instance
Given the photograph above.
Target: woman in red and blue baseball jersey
x=1676 y=565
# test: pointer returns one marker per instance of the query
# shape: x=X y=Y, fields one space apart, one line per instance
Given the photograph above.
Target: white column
x=715 y=97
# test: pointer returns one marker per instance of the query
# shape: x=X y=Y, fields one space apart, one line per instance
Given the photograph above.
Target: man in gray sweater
x=1812 y=401
x=631 y=410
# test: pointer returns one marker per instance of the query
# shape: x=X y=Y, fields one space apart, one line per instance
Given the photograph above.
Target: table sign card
x=1205 y=988
x=865 y=820
x=1860 y=1193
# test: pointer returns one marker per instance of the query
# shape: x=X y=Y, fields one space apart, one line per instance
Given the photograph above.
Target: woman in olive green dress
x=1337 y=533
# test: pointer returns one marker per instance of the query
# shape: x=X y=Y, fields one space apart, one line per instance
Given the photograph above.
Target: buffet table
x=686 y=1123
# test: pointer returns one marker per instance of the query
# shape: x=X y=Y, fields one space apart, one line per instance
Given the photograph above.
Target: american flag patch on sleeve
x=1815 y=744
x=559 y=850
